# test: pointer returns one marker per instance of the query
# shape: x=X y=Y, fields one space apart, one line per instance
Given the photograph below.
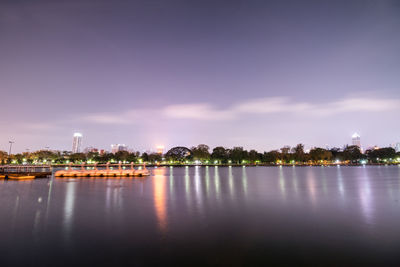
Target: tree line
x=202 y=154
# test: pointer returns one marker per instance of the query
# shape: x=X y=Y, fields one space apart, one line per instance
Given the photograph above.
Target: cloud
x=104 y=118
x=354 y=105
x=39 y=126
x=127 y=117
x=271 y=105
x=197 y=111
x=263 y=106
x=365 y=104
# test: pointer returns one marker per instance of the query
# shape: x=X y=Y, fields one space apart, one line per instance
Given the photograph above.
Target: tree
x=298 y=152
x=220 y=154
x=272 y=156
x=77 y=157
x=352 y=153
x=155 y=157
x=318 y=153
x=286 y=156
x=337 y=153
x=254 y=156
x=145 y=157
x=201 y=152
x=121 y=155
x=92 y=155
x=178 y=154
x=133 y=157
x=3 y=157
x=238 y=154
x=384 y=153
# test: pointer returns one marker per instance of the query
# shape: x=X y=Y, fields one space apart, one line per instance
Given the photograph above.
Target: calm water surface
x=206 y=216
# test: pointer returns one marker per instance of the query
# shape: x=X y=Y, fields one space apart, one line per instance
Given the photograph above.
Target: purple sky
x=260 y=74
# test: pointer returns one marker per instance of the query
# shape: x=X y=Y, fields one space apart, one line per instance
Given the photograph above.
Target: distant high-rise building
x=118 y=147
x=356 y=141
x=397 y=148
x=90 y=149
x=76 y=143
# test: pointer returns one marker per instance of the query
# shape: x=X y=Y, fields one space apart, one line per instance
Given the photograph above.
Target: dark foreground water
x=206 y=216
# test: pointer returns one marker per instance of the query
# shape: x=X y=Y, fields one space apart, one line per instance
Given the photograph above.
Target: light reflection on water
x=199 y=206
x=69 y=205
x=311 y=185
x=159 y=185
x=366 y=197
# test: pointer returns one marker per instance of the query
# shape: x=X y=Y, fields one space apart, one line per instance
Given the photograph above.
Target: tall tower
x=356 y=141
x=76 y=143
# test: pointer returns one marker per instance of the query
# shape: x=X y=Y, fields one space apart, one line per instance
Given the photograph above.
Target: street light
x=11 y=142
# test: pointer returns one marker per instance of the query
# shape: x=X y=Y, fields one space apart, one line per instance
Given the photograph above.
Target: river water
x=206 y=216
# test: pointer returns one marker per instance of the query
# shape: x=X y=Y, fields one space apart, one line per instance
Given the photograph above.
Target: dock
x=21 y=172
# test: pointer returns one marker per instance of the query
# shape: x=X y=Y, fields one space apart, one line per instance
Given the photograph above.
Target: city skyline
x=78 y=146
x=199 y=133
x=159 y=149
x=261 y=75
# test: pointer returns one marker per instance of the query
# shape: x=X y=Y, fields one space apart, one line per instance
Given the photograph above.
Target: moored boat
x=21 y=177
x=64 y=173
x=142 y=172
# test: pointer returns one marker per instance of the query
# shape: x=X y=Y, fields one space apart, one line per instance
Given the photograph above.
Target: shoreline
x=196 y=165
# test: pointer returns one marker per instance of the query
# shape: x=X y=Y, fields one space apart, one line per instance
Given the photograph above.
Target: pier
x=25 y=171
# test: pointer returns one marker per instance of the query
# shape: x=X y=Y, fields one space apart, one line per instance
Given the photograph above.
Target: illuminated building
x=397 y=147
x=118 y=147
x=76 y=143
x=160 y=150
x=356 y=141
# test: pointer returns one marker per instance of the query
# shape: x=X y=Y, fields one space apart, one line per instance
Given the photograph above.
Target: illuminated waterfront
x=227 y=216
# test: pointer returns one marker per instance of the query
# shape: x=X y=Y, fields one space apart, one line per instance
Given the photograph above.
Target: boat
x=83 y=172
x=121 y=171
x=64 y=173
x=95 y=172
x=142 y=172
x=21 y=177
x=108 y=172
x=129 y=172
x=75 y=173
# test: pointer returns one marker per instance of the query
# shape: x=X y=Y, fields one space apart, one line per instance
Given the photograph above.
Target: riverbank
x=32 y=168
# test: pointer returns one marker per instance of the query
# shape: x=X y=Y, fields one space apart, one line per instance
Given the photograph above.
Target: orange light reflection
x=159 y=187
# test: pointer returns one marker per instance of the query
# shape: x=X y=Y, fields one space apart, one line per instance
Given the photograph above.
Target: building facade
x=76 y=143
x=90 y=149
x=356 y=140
x=118 y=147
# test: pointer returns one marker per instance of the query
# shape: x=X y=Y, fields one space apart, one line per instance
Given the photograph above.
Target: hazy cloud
x=197 y=111
x=104 y=118
x=208 y=112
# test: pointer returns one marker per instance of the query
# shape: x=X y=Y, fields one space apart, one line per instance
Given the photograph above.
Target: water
x=206 y=216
